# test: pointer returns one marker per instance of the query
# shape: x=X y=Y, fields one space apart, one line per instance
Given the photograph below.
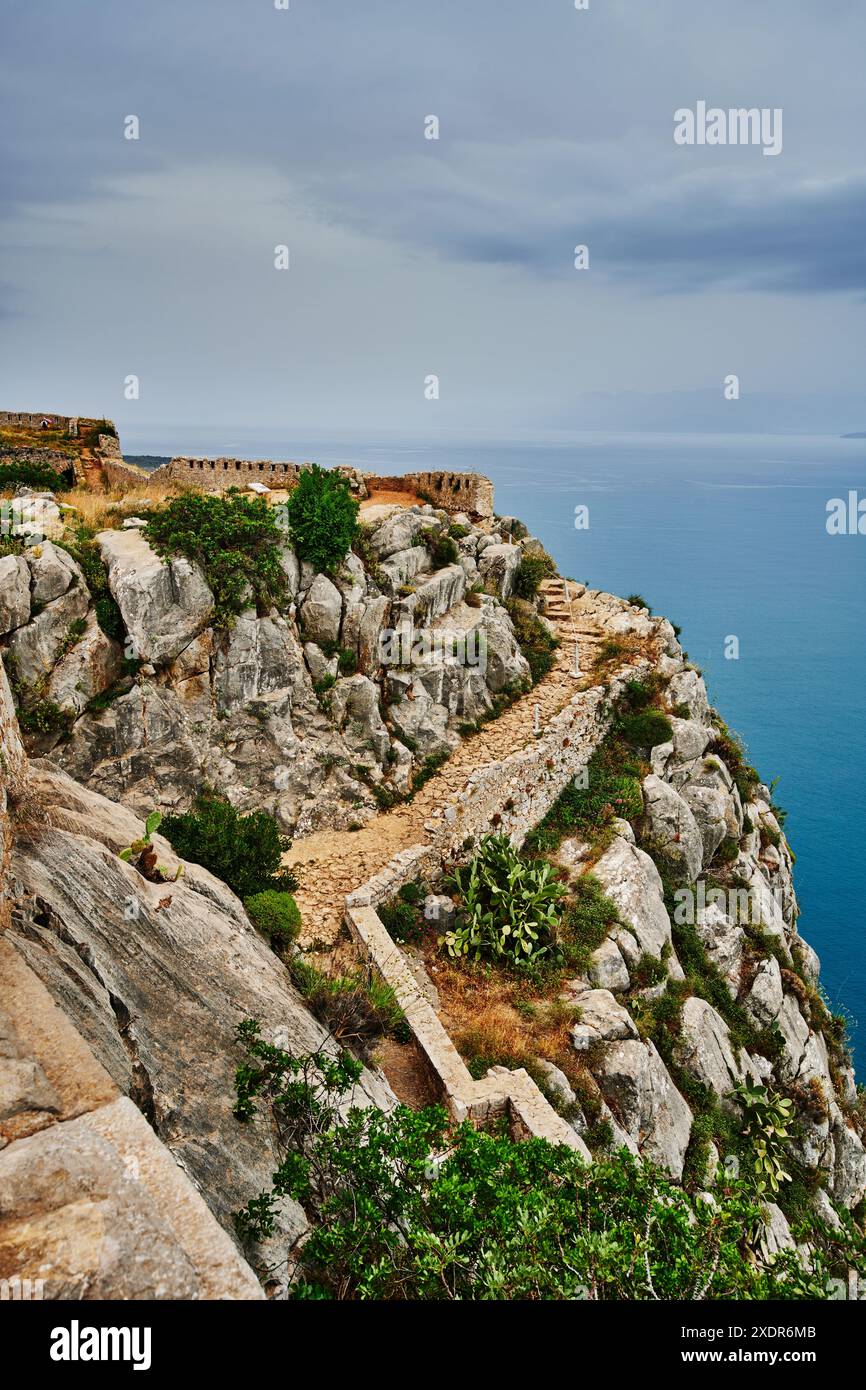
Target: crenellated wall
x=454 y=492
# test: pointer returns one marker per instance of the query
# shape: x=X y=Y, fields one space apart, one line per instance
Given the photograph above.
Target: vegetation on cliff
x=323 y=518
x=405 y=1206
x=235 y=539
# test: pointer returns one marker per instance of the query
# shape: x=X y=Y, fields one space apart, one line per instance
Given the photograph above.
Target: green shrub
x=588 y=920
x=44 y=717
x=323 y=518
x=535 y=642
x=275 y=914
x=646 y=729
x=356 y=1009
x=441 y=547
x=236 y=541
x=530 y=572
x=401 y=1206
x=244 y=851
x=510 y=906
x=638 y=601
x=36 y=475
x=613 y=789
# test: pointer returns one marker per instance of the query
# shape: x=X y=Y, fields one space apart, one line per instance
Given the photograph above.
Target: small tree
x=322 y=518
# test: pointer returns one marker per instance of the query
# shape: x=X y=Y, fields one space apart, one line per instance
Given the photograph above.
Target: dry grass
x=501 y=1020
x=101 y=511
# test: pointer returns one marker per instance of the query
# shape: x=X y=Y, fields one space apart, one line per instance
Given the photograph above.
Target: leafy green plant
x=275 y=914
x=357 y=1009
x=44 y=717
x=235 y=539
x=535 y=642
x=442 y=548
x=530 y=572
x=767 y=1118
x=244 y=851
x=638 y=601
x=322 y=517
x=142 y=853
x=510 y=906
x=646 y=729
x=401 y=1206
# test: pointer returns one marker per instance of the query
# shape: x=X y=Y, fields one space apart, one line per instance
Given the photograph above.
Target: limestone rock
x=704 y=1048
x=607 y=969
x=669 y=824
x=632 y=882
x=36 y=648
x=164 y=603
x=636 y=1085
x=14 y=593
x=322 y=611
x=90 y=667
x=497 y=565
x=156 y=978
x=52 y=572
x=602 y=1019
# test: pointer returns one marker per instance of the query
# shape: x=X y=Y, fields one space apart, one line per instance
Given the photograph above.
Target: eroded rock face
x=637 y=1087
x=704 y=1048
x=14 y=593
x=156 y=978
x=164 y=604
x=633 y=883
x=672 y=828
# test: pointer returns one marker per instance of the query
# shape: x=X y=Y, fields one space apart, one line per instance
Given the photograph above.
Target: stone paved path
x=331 y=863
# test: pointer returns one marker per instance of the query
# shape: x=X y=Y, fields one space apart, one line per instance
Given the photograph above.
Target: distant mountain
x=858 y=434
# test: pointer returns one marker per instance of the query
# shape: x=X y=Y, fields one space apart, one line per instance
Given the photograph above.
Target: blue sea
x=726 y=536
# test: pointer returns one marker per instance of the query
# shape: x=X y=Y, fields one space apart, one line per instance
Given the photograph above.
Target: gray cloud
x=412 y=256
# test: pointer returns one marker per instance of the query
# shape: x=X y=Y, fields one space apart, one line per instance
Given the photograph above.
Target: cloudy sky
x=261 y=127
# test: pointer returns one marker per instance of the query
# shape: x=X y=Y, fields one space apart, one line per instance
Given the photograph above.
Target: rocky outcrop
x=164 y=604
x=248 y=708
x=155 y=978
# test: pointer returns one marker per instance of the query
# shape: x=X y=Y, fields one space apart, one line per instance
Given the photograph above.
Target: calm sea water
x=727 y=537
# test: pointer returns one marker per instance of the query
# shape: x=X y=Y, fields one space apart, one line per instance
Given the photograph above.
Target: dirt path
x=331 y=863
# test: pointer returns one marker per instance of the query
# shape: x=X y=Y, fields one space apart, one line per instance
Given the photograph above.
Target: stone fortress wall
x=30 y=420
x=454 y=492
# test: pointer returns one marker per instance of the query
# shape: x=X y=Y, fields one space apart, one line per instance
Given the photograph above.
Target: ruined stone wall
x=453 y=492
x=30 y=420
x=215 y=475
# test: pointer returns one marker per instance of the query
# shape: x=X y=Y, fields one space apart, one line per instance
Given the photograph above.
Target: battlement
x=453 y=492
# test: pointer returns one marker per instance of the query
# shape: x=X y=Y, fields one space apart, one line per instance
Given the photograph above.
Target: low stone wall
x=508 y=797
x=44 y=458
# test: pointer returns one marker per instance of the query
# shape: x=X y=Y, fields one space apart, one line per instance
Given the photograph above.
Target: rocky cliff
x=122 y=996
x=316 y=713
